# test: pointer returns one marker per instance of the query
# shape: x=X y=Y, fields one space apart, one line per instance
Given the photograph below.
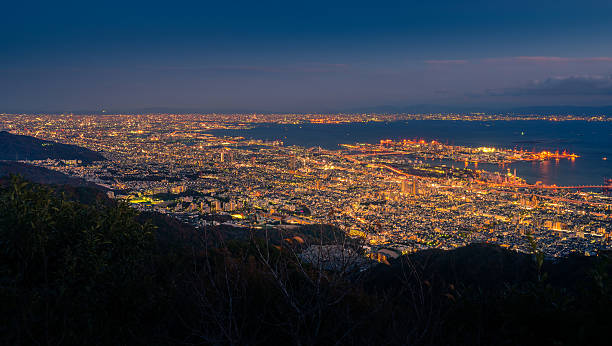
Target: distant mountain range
x=578 y=110
x=17 y=147
x=544 y=110
x=416 y=108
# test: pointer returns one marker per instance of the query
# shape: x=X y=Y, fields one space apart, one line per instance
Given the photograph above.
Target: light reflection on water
x=591 y=140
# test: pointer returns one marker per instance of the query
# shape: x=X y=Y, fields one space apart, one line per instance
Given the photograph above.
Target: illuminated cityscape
x=306 y=173
x=396 y=195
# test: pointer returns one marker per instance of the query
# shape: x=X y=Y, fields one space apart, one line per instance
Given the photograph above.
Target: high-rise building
x=409 y=187
x=293 y=163
x=177 y=189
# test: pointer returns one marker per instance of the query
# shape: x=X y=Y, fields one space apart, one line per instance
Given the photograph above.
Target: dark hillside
x=41 y=175
x=17 y=147
x=77 y=268
x=483 y=265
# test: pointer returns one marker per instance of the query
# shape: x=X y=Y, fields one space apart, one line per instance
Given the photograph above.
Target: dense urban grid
x=386 y=193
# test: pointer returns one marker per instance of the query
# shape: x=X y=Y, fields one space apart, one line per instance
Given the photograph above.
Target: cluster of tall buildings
x=409 y=187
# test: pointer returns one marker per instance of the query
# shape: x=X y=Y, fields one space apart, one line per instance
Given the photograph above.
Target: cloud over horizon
x=523 y=59
x=576 y=85
x=548 y=59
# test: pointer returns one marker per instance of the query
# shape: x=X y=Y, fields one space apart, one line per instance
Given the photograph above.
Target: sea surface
x=591 y=140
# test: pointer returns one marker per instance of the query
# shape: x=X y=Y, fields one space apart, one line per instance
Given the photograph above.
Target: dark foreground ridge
x=78 y=268
x=17 y=147
x=41 y=175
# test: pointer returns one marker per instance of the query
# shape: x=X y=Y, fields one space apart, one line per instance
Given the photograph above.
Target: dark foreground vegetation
x=78 y=269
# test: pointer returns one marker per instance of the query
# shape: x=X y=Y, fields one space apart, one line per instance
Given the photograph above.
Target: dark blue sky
x=303 y=56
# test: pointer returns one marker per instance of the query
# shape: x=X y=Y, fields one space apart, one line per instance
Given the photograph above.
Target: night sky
x=307 y=56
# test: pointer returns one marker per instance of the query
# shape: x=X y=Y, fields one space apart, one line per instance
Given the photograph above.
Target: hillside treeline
x=76 y=268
